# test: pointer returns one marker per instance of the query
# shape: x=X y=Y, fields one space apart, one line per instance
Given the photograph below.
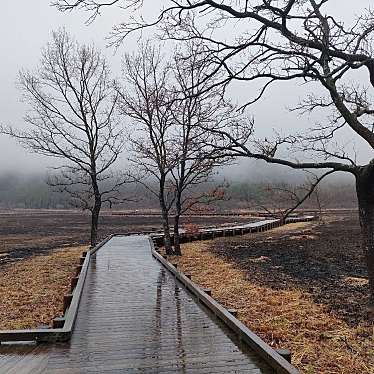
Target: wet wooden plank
x=257 y=344
x=134 y=316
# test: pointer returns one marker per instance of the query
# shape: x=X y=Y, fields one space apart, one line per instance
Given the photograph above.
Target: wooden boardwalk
x=134 y=317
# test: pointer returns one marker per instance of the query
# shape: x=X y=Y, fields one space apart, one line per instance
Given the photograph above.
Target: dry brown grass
x=32 y=290
x=320 y=342
x=291 y=227
x=22 y=241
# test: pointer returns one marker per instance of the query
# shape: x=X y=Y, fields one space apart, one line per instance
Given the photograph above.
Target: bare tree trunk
x=365 y=194
x=95 y=212
x=95 y=223
x=166 y=228
x=177 y=246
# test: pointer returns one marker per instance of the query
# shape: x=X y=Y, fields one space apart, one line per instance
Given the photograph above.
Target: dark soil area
x=324 y=260
x=28 y=232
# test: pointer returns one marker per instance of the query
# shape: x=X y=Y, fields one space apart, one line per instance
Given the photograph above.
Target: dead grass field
x=39 y=251
x=285 y=315
x=32 y=290
x=27 y=232
x=300 y=286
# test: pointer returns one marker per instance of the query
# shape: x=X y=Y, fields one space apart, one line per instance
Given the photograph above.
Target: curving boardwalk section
x=134 y=317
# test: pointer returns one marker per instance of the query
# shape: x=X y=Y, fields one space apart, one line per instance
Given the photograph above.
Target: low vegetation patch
x=32 y=290
x=284 y=313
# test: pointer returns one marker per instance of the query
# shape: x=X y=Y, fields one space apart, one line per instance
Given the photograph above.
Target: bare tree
x=72 y=118
x=145 y=99
x=172 y=145
x=195 y=112
x=273 y=41
x=283 y=199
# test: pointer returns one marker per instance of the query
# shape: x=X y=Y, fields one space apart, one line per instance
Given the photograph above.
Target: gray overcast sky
x=26 y=27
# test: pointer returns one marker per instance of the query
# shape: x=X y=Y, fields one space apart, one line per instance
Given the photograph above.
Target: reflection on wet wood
x=135 y=317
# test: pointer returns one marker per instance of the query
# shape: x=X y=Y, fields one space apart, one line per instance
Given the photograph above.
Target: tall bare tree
x=273 y=41
x=173 y=144
x=196 y=111
x=145 y=100
x=72 y=118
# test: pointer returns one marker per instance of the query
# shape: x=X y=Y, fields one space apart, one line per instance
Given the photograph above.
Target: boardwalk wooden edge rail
x=67 y=321
x=207 y=234
x=64 y=332
x=277 y=362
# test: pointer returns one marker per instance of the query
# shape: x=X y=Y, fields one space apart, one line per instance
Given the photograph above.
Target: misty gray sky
x=26 y=27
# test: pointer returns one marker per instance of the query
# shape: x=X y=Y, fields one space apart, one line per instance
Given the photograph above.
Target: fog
x=26 y=27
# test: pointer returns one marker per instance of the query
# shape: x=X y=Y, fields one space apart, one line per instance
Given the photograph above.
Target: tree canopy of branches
x=72 y=118
x=173 y=144
x=282 y=199
x=144 y=99
x=274 y=41
x=196 y=111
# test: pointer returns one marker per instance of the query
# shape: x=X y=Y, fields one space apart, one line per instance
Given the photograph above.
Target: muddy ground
x=27 y=232
x=324 y=260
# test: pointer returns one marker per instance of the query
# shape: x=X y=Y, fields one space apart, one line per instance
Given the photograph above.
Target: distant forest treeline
x=33 y=192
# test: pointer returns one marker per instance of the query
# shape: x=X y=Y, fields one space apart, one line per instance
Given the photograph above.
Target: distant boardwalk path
x=134 y=317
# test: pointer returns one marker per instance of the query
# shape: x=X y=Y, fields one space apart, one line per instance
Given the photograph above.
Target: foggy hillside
x=246 y=187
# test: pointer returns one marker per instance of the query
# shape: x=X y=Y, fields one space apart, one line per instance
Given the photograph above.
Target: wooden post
x=208 y=291
x=84 y=254
x=81 y=260
x=79 y=269
x=58 y=323
x=73 y=283
x=285 y=353
x=234 y=312
x=67 y=301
